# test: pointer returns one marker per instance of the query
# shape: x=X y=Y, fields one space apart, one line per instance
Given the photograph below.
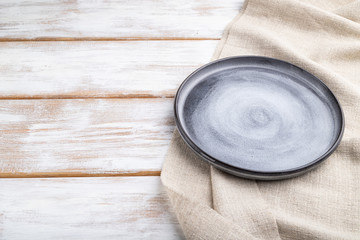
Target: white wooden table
x=86 y=92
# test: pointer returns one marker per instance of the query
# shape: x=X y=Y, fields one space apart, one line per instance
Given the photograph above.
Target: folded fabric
x=322 y=37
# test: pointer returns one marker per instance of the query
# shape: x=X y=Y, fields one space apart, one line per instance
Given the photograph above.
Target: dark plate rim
x=261 y=175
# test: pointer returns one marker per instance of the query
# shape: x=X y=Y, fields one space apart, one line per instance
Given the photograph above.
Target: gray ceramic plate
x=258 y=117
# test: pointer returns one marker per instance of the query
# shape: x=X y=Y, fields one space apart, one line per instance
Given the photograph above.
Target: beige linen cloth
x=323 y=37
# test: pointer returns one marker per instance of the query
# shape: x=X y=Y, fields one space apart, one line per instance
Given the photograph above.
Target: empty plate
x=258 y=117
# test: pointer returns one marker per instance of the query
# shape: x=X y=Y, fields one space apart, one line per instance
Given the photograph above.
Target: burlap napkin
x=322 y=37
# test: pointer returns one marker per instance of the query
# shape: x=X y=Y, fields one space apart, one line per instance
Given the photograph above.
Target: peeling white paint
x=99 y=69
x=41 y=18
x=91 y=208
x=92 y=136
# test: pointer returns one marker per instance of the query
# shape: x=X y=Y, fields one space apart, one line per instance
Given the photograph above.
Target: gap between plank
x=101 y=39
x=79 y=174
x=129 y=96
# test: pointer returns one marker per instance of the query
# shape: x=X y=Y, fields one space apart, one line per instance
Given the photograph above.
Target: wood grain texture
x=64 y=50
x=89 y=137
x=82 y=20
x=98 y=69
x=86 y=208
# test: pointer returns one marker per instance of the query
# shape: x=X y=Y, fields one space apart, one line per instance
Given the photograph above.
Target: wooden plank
x=103 y=20
x=86 y=208
x=92 y=137
x=98 y=69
